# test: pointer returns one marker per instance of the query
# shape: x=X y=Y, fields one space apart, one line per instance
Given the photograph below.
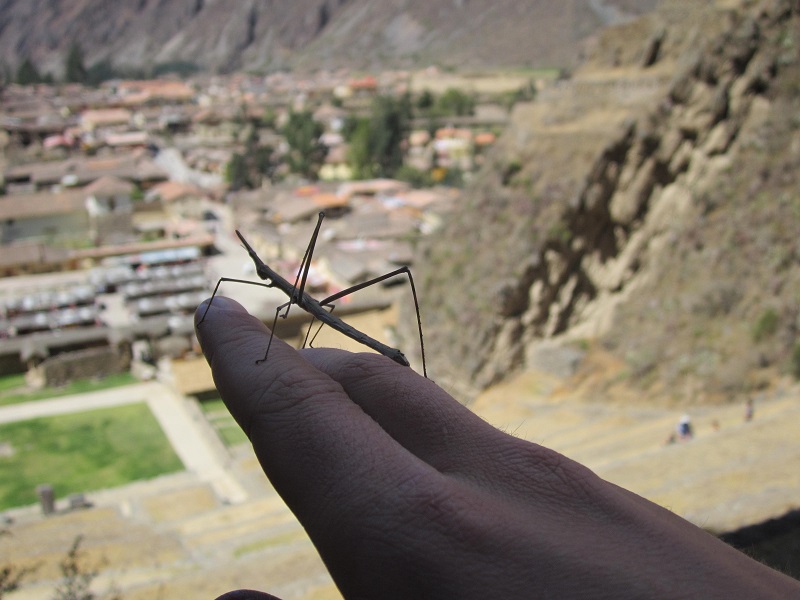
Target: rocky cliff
x=227 y=35
x=638 y=225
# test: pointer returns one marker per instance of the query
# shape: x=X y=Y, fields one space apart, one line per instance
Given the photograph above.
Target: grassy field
x=222 y=421
x=14 y=390
x=81 y=452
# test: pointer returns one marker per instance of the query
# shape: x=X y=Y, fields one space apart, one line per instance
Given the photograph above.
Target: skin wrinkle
x=369 y=373
x=372 y=371
x=377 y=512
x=432 y=509
x=532 y=469
x=442 y=458
x=466 y=524
x=321 y=508
x=562 y=473
x=368 y=500
x=400 y=565
x=269 y=404
x=358 y=469
x=262 y=408
x=274 y=388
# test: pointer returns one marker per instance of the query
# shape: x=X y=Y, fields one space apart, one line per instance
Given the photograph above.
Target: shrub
x=182 y=68
x=416 y=177
x=795 y=361
x=766 y=326
x=513 y=167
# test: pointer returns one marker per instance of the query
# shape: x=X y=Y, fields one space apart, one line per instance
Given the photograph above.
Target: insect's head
x=247 y=246
x=262 y=270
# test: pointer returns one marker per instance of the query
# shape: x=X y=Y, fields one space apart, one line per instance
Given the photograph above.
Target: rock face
x=224 y=35
x=648 y=207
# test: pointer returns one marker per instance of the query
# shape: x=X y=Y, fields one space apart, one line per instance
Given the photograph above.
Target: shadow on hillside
x=775 y=542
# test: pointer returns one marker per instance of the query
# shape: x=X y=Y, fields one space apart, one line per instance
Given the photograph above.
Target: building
x=43 y=216
x=110 y=210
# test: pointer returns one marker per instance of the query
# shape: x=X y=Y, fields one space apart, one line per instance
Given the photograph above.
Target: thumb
x=247 y=595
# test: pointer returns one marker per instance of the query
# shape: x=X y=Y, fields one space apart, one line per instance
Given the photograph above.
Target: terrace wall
x=80 y=364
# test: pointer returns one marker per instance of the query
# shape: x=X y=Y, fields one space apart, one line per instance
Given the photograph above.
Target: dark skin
x=407 y=494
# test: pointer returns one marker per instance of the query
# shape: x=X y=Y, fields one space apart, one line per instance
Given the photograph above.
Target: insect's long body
x=309 y=304
x=318 y=309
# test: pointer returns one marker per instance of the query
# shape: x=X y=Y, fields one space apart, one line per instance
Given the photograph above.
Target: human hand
x=407 y=494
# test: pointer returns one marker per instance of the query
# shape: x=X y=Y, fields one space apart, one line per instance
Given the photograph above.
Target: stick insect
x=318 y=309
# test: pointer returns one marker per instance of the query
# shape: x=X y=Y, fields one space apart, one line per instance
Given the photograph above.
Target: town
x=118 y=216
x=581 y=224
x=120 y=201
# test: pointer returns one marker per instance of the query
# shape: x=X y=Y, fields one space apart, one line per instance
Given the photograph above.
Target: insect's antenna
x=306 y=264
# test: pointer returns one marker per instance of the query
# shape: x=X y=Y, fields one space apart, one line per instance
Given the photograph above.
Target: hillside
x=642 y=217
x=199 y=547
x=255 y=35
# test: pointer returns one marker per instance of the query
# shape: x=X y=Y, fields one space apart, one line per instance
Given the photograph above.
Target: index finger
x=315 y=445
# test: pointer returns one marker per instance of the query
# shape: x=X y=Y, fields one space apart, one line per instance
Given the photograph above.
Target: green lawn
x=14 y=390
x=222 y=421
x=82 y=452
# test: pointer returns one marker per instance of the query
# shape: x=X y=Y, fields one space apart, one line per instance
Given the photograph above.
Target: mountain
x=637 y=224
x=228 y=35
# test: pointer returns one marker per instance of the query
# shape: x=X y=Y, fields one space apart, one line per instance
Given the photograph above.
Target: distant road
x=172 y=162
x=128 y=394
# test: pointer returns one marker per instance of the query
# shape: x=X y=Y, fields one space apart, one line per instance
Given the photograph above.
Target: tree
x=526 y=93
x=359 y=151
x=247 y=170
x=74 y=69
x=101 y=71
x=306 y=151
x=426 y=101
x=236 y=172
x=452 y=103
x=376 y=143
x=6 y=73
x=455 y=102
x=27 y=73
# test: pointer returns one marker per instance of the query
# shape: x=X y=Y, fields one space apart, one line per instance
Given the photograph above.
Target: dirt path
x=195 y=443
x=128 y=394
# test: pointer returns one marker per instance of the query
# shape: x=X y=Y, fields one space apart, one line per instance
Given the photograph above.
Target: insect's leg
x=305 y=264
x=361 y=286
x=308 y=333
x=272 y=330
x=216 y=288
x=321 y=325
x=310 y=252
